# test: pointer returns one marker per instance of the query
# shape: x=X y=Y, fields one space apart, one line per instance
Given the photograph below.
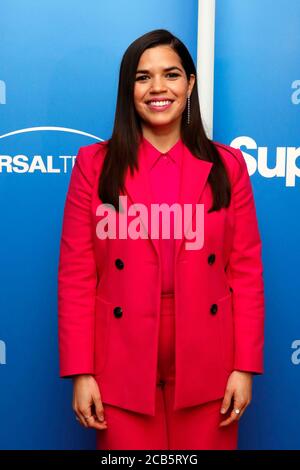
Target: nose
x=158 y=84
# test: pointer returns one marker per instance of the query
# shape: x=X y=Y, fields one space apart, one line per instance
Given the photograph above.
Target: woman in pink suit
x=161 y=335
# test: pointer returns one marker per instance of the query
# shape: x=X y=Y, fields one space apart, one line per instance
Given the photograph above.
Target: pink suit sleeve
x=77 y=276
x=245 y=273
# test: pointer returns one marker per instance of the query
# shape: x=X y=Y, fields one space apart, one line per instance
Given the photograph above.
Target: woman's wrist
x=77 y=376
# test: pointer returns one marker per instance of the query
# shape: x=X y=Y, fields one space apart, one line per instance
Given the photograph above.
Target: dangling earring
x=188 y=110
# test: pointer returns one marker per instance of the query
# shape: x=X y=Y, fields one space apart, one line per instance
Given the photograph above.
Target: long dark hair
x=122 y=147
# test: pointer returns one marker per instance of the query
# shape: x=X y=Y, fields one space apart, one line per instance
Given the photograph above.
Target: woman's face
x=154 y=85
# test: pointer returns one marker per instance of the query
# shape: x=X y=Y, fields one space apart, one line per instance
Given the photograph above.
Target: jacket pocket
x=103 y=315
x=226 y=325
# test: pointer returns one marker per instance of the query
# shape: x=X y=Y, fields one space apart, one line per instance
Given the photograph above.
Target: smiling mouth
x=159 y=106
x=159 y=103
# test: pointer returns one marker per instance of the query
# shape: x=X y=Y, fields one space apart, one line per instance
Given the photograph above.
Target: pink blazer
x=109 y=290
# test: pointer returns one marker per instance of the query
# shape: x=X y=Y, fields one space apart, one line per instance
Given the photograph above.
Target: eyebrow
x=165 y=70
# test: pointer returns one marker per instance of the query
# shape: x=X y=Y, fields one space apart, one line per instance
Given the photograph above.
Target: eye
x=140 y=77
x=172 y=74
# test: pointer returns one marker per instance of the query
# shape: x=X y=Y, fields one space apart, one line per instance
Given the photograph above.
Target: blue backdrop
x=257 y=108
x=59 y=64
x=59 y=68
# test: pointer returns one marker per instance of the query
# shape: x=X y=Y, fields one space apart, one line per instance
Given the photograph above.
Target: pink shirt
x=164 y=177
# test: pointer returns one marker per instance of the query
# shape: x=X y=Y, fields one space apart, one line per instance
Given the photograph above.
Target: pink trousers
x=193 y=428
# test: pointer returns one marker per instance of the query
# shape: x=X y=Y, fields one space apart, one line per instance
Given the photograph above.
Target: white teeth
x=159 y=103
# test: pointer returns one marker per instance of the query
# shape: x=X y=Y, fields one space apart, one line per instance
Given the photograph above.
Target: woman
x=159 y=333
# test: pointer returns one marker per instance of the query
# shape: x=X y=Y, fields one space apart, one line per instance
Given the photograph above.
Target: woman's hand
x=239 y=388
x=87 y=402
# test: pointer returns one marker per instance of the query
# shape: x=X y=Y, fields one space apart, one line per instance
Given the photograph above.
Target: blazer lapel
x=193 y=176
x=137 y=187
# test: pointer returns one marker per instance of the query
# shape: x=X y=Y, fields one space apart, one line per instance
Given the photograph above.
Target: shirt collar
x=152 y=154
